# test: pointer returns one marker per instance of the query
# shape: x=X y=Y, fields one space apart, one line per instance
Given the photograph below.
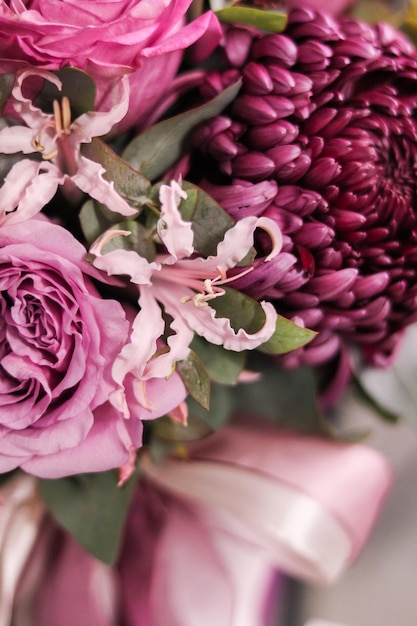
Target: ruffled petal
x=99 y=123
x=27 y=188
x=35 y=118
x=147 y=328
x=16 y=139
x=236 y=244
x=176 y=234
x=89 y=178
x=122 y=262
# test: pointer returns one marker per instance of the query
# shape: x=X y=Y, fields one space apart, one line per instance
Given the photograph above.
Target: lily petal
x=27 y=188
x=99 y=123
x=89 y=178
x=147 y=328
x=122 y=262
x=16 y=139
x=34 y=117
x=175 y=233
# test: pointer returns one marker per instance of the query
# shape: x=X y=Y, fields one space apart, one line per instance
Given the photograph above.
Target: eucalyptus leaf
x=195 y=378
x=209 y=221
x=95 y=218
x=223 y=366
x=132 y=185
x=6 y=86
x=287 y=336
x=287 y=397
x=222 y=403
x=92 y=508
x=155 y=150
x=242 y=310
x=77 y=85
x=267 y=20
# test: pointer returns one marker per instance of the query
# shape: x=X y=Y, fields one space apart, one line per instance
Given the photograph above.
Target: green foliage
x=287 y=337
x=77 y=85
x=223 y=366
x=222 y=403
x=132 y=185
x=288 y=397
x=6 y=86
x=210 y=222
x=195 y=378
x=271 y=21
x=92 y=508
x=155 y=150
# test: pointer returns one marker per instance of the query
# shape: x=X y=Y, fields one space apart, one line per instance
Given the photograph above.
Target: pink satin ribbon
x=21 y=514
x=308 y=503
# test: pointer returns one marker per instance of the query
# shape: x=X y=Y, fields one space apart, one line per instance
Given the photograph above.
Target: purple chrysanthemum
x=323 y=138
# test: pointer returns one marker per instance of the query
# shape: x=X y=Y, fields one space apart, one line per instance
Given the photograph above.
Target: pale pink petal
x=203 y=320
x=147 y=328
x=32 y=115
x=178 y=343
x=176 y=234
x=27 y=188
x=89 y=178
x=236 y=244
x=16 y=139
x=122 y=262
x=99 y=123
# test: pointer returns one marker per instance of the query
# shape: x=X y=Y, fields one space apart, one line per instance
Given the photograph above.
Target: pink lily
x=31 y=183
x=184 y=284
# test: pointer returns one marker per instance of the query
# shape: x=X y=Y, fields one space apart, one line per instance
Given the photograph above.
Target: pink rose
x=58 y=341
x=144 y=38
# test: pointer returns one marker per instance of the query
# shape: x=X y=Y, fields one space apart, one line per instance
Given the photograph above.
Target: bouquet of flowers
x=207 y=232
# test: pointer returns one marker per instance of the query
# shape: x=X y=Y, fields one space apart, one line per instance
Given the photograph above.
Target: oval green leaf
x=155 y=150
x=268 y=20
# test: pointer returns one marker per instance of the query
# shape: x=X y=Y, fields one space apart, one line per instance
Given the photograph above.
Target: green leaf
x=166 y=433
x=288 y=397
x=77 y=85
x=242 y=310
x=155 y=150
x=287 y=336
x=195 y=378
x=128 y=182
x=92 y=508
x=6 y=86
x=272 y=21
x=95 y=218
x=209 y=221
x=222 y=402
x=223 y=366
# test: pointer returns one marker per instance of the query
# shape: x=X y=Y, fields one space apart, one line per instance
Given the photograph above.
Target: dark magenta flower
x=322 y=138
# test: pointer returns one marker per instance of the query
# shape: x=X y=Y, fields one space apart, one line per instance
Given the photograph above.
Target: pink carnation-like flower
x=59 y=339
x=322 y=139
x=142 y=38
